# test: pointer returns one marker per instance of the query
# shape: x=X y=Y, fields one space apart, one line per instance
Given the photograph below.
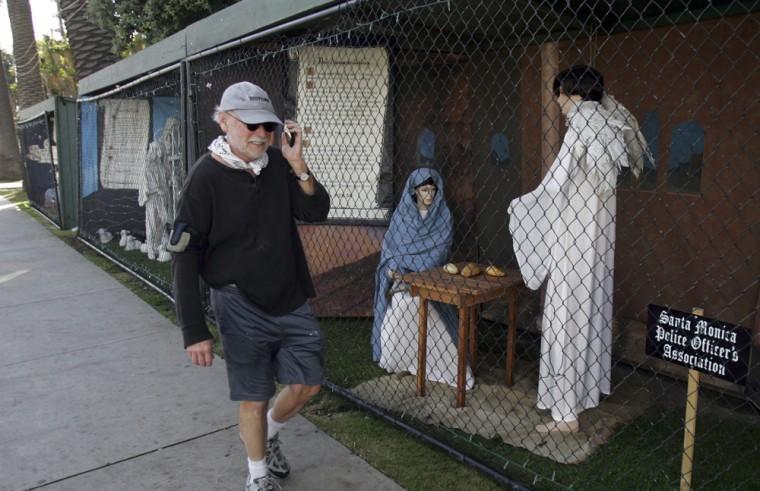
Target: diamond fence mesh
x=41 y=165
x=132 y=148
x=386 y=91
x=450 y=133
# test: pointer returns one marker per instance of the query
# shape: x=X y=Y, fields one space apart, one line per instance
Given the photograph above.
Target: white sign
x=342 y=107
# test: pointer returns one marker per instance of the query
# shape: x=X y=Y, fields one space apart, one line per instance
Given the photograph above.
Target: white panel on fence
x=342 y=106
x=126 y=128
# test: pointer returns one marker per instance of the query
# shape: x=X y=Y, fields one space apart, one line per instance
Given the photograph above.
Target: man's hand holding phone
x=291 y=150
x=291 y=146
x=290 y=132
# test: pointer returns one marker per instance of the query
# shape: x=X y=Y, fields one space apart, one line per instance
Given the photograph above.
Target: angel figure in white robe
x=564 y=236
x=159 y=186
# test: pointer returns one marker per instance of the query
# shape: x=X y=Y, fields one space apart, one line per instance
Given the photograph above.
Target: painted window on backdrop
x=685 y=157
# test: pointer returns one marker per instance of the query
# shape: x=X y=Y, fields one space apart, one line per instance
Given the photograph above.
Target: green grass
x=16 y=196
x=414 y=465
x=158 y=273
x=645 y=454
x=347 y=351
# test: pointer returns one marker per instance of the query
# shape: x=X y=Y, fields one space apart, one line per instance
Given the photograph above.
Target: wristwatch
x=303 y=176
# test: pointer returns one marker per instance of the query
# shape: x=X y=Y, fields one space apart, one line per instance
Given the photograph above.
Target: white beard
x=221 y=148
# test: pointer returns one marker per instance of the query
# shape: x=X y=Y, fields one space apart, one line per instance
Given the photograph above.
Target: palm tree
x=10 y=162
x=25 y=53
x=90 y=44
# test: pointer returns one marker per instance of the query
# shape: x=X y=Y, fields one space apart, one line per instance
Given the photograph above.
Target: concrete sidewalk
x=96 y=392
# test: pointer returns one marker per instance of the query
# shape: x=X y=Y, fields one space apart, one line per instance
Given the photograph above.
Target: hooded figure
x=418 y=238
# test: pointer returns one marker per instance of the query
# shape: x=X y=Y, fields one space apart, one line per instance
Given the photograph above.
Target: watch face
x=304 y=176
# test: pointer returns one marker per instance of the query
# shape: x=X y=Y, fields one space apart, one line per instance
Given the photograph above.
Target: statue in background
x=419 y=238
x=159 y=187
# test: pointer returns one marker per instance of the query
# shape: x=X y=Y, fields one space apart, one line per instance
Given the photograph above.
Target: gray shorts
x=259 y=348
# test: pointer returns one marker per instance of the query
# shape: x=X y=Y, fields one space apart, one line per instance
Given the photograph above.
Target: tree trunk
x=90 y=45
x=30 y=89
x=10 y=161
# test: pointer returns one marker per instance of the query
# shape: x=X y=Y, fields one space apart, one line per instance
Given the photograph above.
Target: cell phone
x=291 y=137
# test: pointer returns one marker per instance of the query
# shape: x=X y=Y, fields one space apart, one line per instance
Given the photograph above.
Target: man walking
x=236 y=229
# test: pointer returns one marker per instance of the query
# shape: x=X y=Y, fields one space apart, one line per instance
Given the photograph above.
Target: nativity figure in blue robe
x=419 y=238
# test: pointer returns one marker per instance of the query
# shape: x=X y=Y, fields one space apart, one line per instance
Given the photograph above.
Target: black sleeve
x=308 y=208
x=187 y=297
x=186 y=266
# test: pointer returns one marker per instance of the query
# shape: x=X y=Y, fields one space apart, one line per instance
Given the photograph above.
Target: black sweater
x=249 y=238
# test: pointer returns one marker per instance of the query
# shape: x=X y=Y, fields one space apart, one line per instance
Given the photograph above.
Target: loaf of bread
x=451 y=268
x=470 y=269
x=495 y=271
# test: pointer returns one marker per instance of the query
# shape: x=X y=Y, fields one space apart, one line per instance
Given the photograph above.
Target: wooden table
x=466 y=294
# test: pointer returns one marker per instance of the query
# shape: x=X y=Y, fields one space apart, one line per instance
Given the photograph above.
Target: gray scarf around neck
x=221 y=148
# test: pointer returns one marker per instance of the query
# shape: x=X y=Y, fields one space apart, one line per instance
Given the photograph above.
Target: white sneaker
x=266 y=483
x=276 y=461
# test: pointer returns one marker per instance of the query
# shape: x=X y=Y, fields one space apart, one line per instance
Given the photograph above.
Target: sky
x=44 y=16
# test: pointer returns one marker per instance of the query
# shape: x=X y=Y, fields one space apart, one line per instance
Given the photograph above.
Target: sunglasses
x=268 y=127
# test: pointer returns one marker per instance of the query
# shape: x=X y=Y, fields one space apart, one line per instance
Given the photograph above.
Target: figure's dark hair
x=427 y=181
x=580 y=80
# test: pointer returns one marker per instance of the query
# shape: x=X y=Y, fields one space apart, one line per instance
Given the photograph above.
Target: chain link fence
x=450 y=132
x=41 y=165
x=132 y=166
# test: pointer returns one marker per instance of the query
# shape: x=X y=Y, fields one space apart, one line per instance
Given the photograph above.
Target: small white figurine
x=163 y=254
x=132 y=244
x=104 y=236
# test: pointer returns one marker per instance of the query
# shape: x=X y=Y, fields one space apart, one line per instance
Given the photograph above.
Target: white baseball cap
x=249 y=102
